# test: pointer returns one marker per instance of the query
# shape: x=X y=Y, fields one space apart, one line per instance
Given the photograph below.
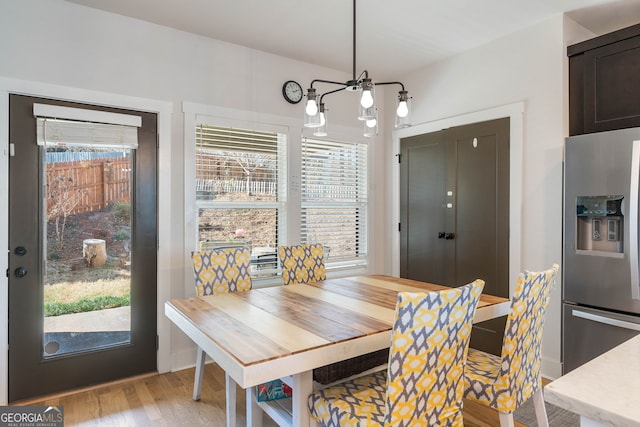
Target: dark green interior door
x=82 y=256
x=454 y=206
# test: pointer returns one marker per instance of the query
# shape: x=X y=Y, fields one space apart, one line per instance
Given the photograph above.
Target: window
x=334 y=199
x=239 y=191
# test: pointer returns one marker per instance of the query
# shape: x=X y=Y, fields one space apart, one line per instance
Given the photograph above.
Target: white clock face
x=292 y=92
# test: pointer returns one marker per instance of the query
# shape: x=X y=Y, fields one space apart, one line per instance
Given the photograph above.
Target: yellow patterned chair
x=423 y=384
x=506 y=382
x=302 y=263
x=220 y=271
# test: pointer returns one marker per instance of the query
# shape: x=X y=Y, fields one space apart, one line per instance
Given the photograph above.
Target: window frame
x=289 y=225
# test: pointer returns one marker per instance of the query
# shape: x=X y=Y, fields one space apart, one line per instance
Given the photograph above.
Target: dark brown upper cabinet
x=604 y=82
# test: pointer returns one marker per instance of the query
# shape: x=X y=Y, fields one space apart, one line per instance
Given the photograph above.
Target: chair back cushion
x=506 y=382
x=429 y=345
x=221 y=271
x=521 y=354
x=302 y=263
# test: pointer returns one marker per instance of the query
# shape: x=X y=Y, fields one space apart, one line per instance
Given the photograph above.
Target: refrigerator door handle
x=606 y=320
x=633 y=220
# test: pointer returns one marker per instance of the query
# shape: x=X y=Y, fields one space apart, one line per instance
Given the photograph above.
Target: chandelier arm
x=390 y=83
x=330 y=92
x=327 y=81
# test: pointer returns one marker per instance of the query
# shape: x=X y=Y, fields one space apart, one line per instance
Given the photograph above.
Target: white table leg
x=197 y=382
x=230 y=392
x=302 y=388
x=254 y=412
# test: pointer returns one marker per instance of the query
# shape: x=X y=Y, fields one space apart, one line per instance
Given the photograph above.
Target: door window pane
x=87 y=248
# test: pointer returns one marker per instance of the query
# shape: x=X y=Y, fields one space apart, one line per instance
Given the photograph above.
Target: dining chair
x=302 y=263
x=423 y=384
x=506 y=382
x=220 y=271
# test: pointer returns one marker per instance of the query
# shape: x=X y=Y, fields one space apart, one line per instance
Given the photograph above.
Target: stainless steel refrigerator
x=601 y=290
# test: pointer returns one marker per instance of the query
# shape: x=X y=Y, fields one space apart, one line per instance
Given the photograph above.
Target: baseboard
x=185 y=359
x=551 y=369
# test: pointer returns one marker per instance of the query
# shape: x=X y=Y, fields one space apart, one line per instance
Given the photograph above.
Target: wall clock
x=292 y=91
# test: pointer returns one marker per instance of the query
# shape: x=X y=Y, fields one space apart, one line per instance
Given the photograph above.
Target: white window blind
x=66 y=126
x=239 y=177
x=238 y=161
x=55 y=132
x=334 y=198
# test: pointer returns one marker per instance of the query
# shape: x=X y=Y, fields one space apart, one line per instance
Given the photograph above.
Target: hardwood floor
x=165 y=400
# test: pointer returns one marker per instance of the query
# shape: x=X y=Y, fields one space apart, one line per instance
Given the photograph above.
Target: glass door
x=82 y=248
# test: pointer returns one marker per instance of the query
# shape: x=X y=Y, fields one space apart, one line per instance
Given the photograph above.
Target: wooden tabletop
x=273 y=332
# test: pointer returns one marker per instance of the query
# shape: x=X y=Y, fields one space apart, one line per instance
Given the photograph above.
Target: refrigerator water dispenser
x=599 y=224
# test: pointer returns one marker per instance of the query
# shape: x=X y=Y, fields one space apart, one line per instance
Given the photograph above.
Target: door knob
x=449 y=236
x=20 y=272
x=441 y=235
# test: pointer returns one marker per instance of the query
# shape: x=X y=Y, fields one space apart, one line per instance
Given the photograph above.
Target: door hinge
x=12 y=149
x=157 y=342
x=399 y=156
x=399 y=226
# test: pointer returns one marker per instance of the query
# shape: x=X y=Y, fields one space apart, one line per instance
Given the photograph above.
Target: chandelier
x=315 y=112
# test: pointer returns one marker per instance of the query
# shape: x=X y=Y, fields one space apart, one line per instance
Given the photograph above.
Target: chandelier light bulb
x=311 y=108
x=323 y=121
x=403 y=109
x=371 y=123
x=367 y=99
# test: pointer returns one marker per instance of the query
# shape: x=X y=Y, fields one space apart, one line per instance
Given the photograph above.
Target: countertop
x=605 y=390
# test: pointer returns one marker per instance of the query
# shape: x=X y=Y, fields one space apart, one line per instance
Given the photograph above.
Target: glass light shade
x=371 y=126
x=322 y=129
x=367 y=104
x=311 y=116
x=311 y=121
x=403 y=110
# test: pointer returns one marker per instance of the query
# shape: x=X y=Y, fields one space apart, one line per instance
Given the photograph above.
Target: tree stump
x=94 y=252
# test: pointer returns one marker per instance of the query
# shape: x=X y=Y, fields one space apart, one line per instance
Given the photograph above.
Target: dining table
x=280 y=332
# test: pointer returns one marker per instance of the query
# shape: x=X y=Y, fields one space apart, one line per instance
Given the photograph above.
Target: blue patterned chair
x=220 y=271
x=423 y=384
x=506 y=382
x=302 y=263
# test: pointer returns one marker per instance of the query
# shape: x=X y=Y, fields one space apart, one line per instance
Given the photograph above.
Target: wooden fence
x=213 y=186
x=86 y=186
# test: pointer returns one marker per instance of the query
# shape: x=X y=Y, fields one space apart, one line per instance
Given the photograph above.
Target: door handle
x=449 y=236
x=441 y=235
x=606 y=320
x=20 y=251
x=20 y=272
